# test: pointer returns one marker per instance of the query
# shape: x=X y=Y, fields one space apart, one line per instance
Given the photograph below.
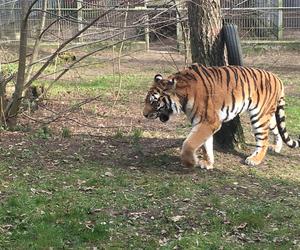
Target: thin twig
x=119 y=60
x=40 y=71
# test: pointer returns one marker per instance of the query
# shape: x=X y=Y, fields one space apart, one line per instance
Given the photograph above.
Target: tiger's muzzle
x=153 y=114
x=149 y=112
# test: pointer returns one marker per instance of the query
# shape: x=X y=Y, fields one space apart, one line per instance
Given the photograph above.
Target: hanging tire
x=233 y=44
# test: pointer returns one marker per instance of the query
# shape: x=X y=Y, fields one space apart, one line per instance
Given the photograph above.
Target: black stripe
x=207 y=74
x=223 y=105
x=235 y=75
x=195 y=113
x=253 y=73
x=262 y=138
x=261 y=125
x=244 y=103
x=227 y=113
x=261 y=82
x=247 y=81
x=191 y=76
x=233 y=101
x=213 y=70
x=253 y=116
x=281 y=119
x=268 y=76
x=254 y=121
x=188 y=76
x=196 y=69
x=250 y=102
x=280 y=107
x=259 y=133
x=242 y=85
x=257 y=101
x=220 y=79
x=208 y=77
x=283 y=131
x=227 y=76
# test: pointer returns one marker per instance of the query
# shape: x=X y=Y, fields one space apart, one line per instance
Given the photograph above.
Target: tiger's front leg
x=201 y=134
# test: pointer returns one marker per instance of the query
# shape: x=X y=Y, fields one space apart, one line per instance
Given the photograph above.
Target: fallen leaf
x=108 y=174
x=177 y=218
x=242 y=226
x=87 y=189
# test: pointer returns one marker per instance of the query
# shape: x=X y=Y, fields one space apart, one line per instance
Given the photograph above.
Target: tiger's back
x=230 y=90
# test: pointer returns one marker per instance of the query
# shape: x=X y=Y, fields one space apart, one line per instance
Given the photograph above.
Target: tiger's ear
x=157 y=78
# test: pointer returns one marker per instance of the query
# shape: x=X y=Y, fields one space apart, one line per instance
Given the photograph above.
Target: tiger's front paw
x=205 y=165
x=189 y=161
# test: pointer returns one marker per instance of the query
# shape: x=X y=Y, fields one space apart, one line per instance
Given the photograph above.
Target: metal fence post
x=280 y=21
x=79 y=17
x=179 y=31
x=147 y=30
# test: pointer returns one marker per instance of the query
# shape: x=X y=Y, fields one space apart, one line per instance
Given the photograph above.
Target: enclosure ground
x=102 y=176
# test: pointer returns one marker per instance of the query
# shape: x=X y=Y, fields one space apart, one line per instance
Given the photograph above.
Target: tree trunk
x=13 y=108
x=207 y=47
x=37 y=42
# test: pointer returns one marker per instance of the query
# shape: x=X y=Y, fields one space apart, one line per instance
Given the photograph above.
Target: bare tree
x=13 y=107
x=26 y=75
x=32 y=65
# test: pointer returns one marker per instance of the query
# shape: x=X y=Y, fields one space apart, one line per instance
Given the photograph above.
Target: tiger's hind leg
x=260 y=127
x=208 y=155
x=276 y=147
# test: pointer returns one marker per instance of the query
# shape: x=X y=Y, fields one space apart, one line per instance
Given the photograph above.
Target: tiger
x=210 y=96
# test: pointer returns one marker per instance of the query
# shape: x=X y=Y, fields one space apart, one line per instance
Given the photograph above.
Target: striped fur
x=210 y=96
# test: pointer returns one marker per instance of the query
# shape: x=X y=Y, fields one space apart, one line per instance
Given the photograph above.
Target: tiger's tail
x=280 y=120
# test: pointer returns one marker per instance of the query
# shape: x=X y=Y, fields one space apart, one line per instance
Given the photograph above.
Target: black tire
x=233 y=44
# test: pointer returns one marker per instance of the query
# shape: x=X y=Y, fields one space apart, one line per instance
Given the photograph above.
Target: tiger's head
x=159 y=102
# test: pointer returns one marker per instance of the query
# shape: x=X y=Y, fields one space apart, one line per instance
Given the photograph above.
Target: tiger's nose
x=145 y=114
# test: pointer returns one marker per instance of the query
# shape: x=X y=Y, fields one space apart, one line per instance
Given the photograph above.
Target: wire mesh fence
x=256 y=19
x=268 y=20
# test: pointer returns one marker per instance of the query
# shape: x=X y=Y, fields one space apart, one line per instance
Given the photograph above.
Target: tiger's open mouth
x=164 y=117
x=152 y=116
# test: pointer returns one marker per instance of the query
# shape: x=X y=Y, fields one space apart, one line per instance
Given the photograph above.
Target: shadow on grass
x=161 y=154
x=138 y=184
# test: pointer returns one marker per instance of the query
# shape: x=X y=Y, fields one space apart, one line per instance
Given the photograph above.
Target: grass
x=128 y=191
x=133 y=209
x=129 y=82
x=293 y=114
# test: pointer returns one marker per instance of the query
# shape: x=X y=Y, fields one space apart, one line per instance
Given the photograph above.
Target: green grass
x=293 y=114
x=137 y=209
x=137 y=196
x=129 y=82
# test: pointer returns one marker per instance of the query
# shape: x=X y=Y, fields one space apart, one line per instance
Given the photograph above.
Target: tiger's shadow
x=155 y=153
x=162 y=153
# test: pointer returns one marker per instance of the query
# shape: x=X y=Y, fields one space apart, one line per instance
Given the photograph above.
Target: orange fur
x=210 y=96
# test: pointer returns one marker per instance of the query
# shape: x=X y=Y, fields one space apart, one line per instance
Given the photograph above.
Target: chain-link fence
x=268 y=20
x=256 y=19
